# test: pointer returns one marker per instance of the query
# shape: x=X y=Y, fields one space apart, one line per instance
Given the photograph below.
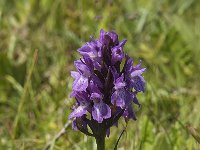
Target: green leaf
x=161 y=142
x=194 y=132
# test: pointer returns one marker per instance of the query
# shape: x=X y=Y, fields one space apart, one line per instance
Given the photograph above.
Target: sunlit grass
x=34 y=92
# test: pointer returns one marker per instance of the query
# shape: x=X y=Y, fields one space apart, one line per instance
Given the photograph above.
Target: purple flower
x=121 y=96
x=117 y=52
x=107 y=38
x=80 y=83
x=101 y=111
x=104 y=89
x=129 y=113
x=133 y=75
x=82 y=106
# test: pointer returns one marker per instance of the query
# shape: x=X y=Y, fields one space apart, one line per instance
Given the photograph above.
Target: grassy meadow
x=38 y=43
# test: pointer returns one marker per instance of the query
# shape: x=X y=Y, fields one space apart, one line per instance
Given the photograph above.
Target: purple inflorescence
x=104 y=87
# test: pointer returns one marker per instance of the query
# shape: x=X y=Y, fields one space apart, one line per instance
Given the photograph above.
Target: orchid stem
x=100 y=142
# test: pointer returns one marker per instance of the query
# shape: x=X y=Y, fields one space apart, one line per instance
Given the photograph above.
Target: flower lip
x=117 y=52
x=78 y=112
x=120 y=83
x=80 y=83
x=96 y=97
x=82 y=68
x=101 y=111
x=137 y=72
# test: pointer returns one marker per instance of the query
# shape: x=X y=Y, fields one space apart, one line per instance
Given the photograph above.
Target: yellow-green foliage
x=38 y=42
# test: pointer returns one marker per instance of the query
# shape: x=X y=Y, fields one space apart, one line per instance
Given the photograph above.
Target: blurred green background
x=38 y=42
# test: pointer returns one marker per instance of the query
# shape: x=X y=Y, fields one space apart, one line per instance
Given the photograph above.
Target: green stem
x=100 y=142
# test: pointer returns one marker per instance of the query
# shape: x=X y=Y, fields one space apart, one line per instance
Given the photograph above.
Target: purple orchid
x=103 y=91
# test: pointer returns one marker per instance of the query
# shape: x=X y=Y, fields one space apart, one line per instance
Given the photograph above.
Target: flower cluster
x=106 y=84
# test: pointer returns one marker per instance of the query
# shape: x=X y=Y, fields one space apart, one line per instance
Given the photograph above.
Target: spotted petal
x=78 y=112
x=80 y=84
x=121 y=98
x=101 y=111
x=82 y=68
